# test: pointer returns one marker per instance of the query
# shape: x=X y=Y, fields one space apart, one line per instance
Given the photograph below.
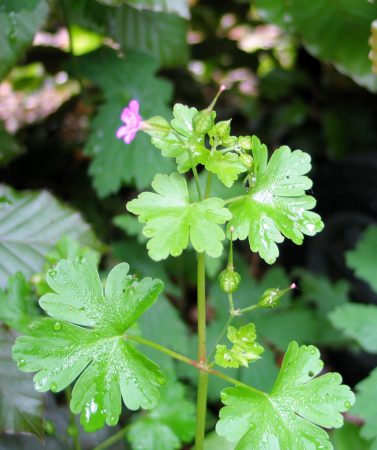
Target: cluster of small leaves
x=244 y=350
x=274 y=207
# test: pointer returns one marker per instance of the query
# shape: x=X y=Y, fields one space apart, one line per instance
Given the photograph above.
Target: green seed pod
x=203 y=121
x=271 y=297
x=247 y=160
x=229 y=280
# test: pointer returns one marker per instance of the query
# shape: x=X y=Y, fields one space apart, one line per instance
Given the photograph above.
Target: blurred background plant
x=296 y=73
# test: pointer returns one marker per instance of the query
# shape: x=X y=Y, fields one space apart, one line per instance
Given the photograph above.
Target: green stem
x=228 y=322
x=196 y=176
x=74 y=430
x=249 y=308
x=208 y=185
x=201 y=405
x=233 y=199
x=161 y=348
x=112 y=439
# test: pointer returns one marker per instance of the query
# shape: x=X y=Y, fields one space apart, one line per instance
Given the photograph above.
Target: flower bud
x=203 y=121
x=247 y=160
x=245 y=142
x=229 y=280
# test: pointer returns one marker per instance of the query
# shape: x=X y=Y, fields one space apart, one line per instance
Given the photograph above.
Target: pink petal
x=130 y=136
x=134 y=106
x=121 y=132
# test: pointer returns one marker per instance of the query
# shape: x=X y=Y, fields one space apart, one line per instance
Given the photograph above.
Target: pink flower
x=132 y=122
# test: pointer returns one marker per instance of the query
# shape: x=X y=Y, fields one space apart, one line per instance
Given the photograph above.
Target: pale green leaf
x=168 y=425
x=21 y=407
x=226 y=166
x=17 y=307
x=276 y=206
x=171 y=221
x=19 y=21
x=178 y=7
x=290 y=416
x=348 y=438
x=358 y=322
x=108 y=367
x=363 y=258
x=30 y=226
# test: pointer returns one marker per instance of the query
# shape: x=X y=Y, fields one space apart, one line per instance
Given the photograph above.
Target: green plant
x=92 y=333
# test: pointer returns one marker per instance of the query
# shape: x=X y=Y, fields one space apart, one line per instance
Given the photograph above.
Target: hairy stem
x=201 y=406
x=112 y=439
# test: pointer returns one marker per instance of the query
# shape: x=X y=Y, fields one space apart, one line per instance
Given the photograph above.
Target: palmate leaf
x=172 y=221
x=277 y=205
x=227 y=167
x=290 y=416
x=21 y=407
x=84 y=339
x=363 y=258
x=168 y=425
x=30 y=225
x=115 y=163
x=19 y=21
x=321 y=36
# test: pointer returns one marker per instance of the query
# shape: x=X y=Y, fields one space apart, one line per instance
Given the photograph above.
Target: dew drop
x=311 y=373
x=21 y=363
x=53 y=387
x=347 y=404
x=112 y=421
x=81 y=259
x=57 y=326
x=313 y=351
x=52 y=273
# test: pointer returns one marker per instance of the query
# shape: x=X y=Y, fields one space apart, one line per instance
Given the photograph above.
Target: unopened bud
x=229 y=280
x=271 y=297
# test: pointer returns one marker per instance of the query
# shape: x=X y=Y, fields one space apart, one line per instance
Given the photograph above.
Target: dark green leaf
x=19 y=21
x=168 y=425
x=319 y=24
x=20 y=406
x=363 y=258
x=161 y=35
x=358 y=322
x=9 y=147
x=115 y=163
x=30 y=226
x=17 y=308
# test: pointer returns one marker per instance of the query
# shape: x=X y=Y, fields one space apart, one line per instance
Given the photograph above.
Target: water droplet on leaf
x=21 y=363
x=53 y=387
x=57 y=326
x=52 y=273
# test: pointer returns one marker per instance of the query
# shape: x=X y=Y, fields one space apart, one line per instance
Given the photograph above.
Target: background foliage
x=67 y=69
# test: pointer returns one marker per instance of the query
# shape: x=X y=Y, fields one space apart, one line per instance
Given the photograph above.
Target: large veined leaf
x=325 y=29
x=19 y=21
x=115 y=163
x=30 y=225
x=21 y=406
x=179 y=7
x=290 y=416
x=358 y=322
x=161 y=35
x=171 y=221
x=85 y=339
x=277 y=205
x=363 y=258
